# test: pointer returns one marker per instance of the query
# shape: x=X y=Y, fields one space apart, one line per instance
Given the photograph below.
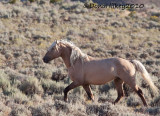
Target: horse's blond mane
x=76 y=52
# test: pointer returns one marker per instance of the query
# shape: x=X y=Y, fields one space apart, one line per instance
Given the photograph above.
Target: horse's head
x=53 y=52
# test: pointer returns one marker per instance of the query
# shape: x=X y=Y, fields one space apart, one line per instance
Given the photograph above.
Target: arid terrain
x=28 y=86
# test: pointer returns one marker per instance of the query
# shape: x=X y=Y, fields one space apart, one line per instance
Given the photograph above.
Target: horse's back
x=100 y=71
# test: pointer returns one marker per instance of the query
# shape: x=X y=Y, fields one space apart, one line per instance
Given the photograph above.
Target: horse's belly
x=98 y=80
x=99 y=76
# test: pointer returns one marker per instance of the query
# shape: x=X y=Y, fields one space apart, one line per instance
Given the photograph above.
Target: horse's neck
x=66 y=53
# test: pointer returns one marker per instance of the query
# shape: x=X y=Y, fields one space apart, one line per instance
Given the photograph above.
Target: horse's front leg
x=87 y=88
x=68 y=88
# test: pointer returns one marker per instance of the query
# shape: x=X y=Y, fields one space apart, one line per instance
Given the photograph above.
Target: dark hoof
x=66 y=99
x=145 y=105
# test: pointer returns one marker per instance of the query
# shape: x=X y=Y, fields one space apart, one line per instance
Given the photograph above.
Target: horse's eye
x=53 y=49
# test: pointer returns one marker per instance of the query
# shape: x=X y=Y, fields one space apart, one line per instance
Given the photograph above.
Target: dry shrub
x=156 y=101
x=31 y=86
x=134 y=100
x=4 y=110
x=61 y=106
x=37 y=99
x=46 y=109
x=19 y=97
x=105 y=88
x=15 y=76
x=104 y=98
x=19 y=110
x=4 y=81
x=57 y=75
x=101 y=110
x=153 y=111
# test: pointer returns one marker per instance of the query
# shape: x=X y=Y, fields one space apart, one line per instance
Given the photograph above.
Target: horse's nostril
x=45 y=60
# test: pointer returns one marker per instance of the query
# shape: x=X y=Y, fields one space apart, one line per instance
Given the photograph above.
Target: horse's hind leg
x=140 y=94
x=119 y=86
x=89 y=92
x=132 y=83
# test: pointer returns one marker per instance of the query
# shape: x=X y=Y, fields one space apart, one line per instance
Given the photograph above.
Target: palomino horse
x=85 y=70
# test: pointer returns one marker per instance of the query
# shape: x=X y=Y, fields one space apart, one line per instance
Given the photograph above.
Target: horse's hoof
x=92 y=98
x=146 y=105
x=66 y=99
x=114 y=103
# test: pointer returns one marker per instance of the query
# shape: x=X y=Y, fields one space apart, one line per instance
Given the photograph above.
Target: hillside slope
x=27 y=85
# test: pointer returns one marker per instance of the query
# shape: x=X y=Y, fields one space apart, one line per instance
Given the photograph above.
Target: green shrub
x=31 y=86
x=132 y=14
x=4 y=81
x=54 y=1
x=32 y=0
x=43 y=73
x=15 y=94
x=19 y=110
x=12 y=1
x=155 y=18
x=153 y=111
x=51 y=87
x=19 y=97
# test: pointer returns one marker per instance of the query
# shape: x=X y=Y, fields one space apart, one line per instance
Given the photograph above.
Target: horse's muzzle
x=45 y=60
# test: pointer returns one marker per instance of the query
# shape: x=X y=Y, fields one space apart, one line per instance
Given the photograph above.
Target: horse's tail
x=139 y=67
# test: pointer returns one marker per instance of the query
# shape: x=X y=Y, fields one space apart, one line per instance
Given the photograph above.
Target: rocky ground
x=27 y=85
